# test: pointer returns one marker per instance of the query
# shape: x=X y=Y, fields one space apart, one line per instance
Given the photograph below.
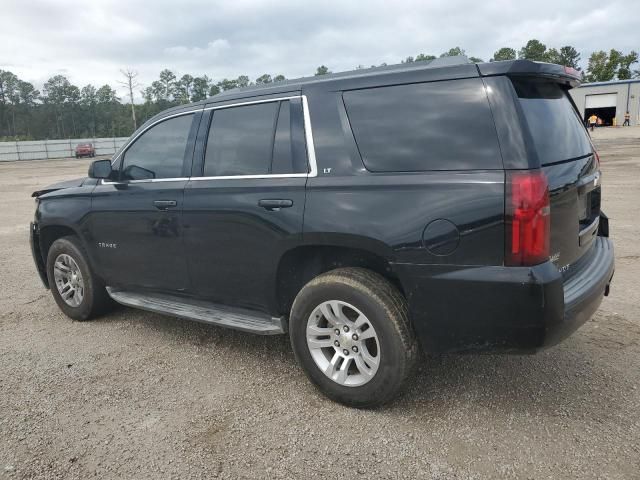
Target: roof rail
x=449 y=61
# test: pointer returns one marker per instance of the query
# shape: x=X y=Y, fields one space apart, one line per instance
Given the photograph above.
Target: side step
x=201 y=311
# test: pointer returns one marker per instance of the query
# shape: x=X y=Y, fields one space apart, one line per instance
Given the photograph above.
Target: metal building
x=609 y=100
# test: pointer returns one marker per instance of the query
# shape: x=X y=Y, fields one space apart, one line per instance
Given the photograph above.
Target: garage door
x=601 y=101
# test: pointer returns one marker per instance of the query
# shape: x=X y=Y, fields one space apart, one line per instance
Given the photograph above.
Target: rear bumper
x=584 y=291
x=496 y=308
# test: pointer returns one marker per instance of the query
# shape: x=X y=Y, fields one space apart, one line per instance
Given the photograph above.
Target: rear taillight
x=528 y=221
x=572 y=71
x=595 y=152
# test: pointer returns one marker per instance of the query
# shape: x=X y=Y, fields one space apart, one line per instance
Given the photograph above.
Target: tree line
x=64 y=110
x=602 y=66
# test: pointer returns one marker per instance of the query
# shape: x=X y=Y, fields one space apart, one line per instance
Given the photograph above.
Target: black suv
x=455 y=207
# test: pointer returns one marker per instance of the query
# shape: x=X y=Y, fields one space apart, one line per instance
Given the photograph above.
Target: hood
x=59 y=186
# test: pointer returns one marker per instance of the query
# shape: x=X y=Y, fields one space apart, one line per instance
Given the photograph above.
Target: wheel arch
x=300 y=264
x=49 y=233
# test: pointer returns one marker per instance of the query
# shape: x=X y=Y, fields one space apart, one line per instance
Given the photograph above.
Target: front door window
x=159 y=152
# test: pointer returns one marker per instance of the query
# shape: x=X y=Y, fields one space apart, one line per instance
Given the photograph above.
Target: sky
x=90 y=41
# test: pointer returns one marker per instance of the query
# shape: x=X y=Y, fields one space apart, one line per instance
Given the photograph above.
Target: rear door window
x=260 y=139
x=425 y=126
x=241 y=140
x=282 y=152
x=555 y=127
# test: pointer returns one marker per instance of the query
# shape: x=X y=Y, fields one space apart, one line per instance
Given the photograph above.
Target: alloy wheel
x=68 y=279
x=343 y=343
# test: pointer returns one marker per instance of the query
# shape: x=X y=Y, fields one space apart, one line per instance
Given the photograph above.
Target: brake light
x=595 y=152
x=571 y=71
x=528 y=222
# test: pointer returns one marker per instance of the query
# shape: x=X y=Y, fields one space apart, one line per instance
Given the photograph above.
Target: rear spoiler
x=566 y=75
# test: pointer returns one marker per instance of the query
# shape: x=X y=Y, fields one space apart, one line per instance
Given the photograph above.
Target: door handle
x=164 y=204
x=275 y=204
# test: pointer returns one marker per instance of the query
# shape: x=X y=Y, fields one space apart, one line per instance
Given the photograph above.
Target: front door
x=135 y=223
x=246 y=209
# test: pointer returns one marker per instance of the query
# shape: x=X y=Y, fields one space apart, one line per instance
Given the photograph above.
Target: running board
x=201 y=311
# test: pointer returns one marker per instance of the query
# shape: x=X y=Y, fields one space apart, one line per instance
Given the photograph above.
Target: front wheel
x=77 y=291
x=350 y=332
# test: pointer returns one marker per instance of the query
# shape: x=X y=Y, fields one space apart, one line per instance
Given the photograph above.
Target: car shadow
x=556 y=382
x=550 y=382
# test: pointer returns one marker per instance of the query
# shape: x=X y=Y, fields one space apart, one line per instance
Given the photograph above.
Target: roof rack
x=422 y=64
x=449 y=61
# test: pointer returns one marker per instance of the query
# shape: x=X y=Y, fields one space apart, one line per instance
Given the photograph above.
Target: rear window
x=425 y=126
x=556 y=129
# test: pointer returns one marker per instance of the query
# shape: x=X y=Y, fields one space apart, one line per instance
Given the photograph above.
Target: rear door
x=564 y=151
x=244 y=206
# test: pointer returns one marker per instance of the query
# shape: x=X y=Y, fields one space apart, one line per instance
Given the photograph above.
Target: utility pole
x=131 y=83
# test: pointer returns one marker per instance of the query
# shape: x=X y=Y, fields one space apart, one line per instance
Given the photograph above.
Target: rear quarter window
x=426 y=126
x=556 y=129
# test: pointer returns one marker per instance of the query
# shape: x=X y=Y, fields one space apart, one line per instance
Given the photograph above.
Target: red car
x=85 y=150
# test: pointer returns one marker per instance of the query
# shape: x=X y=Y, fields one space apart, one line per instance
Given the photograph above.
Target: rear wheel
x=350 y=332
x=77 y=291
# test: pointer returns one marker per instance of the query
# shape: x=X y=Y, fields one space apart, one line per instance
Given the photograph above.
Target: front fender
x=36 y=253
x=61 y=213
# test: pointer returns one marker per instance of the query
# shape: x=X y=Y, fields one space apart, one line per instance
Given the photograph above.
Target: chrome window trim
x=249 y=177
x=150 y=180
x=308 y=132
x=252 y=102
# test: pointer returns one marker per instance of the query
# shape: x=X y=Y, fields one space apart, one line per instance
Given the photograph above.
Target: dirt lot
x=138 y=395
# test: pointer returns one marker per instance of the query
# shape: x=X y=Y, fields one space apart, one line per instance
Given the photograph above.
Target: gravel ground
x=139 y=395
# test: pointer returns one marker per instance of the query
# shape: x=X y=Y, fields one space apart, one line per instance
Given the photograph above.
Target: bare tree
x=131 y=83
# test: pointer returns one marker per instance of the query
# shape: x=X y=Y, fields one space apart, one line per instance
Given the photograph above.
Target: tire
x=390 y=355
x=90 y=298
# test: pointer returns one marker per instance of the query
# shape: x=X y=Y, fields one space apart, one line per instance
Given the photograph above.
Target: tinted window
x=557 y=131
x=241 y=140
x=159 y=152
x=282 y=152
x=425 y=126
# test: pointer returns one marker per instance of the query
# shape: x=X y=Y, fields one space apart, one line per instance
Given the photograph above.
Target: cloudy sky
x=90 y=41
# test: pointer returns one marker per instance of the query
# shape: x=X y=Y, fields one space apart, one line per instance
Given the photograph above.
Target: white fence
x=45 y=149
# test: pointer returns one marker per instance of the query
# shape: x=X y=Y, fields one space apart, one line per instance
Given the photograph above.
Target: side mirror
x=100 y=169
x=134 y=172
